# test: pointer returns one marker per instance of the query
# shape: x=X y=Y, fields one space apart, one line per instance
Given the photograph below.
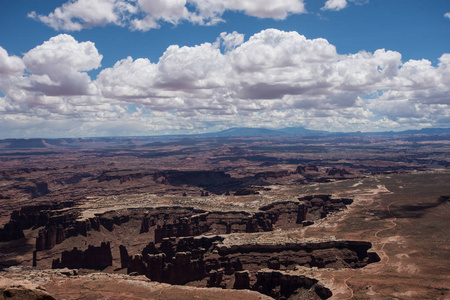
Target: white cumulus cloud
x=55 y=85
x=273 y=79
x=278 y=71
x=10 y=65
x=59 y=66
x=335 y=5
x=144 y=15
x=62 y=51
x=230 y=40
x=172 y=11
x=76 y=15
x=210 y=11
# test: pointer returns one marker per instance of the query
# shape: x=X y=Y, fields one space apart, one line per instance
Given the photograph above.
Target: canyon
x=225 y=217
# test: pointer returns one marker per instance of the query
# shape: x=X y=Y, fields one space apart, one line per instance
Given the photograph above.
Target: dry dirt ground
x=408 y=224
x=61 y=284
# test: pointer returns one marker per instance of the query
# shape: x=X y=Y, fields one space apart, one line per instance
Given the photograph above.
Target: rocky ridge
x=187 y=245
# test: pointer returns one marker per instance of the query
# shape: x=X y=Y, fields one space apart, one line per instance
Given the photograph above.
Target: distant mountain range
x=236 y=132
x=301 y=131
x=247 y=131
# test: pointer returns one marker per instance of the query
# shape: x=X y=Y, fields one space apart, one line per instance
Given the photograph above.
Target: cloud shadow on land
x=415 y=211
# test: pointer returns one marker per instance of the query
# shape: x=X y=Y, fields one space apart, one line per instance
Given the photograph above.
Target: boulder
x=19 y=292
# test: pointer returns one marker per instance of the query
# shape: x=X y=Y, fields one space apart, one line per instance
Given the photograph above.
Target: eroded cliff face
x=186 y=245
x=214 y=255
x=59 y=222
x=35 y=216
x=261 y=267
x=175 y=221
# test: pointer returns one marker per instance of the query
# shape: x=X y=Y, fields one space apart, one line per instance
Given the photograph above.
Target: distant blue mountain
x=427 y=131
x=248 y=131
x=301 y=131
x=245 y=131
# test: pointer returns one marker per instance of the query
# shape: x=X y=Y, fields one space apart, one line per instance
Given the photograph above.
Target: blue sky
x=144 y=67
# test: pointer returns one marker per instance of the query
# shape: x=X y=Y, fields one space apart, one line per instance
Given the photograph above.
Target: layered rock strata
x=186 y=259
x=59 y=224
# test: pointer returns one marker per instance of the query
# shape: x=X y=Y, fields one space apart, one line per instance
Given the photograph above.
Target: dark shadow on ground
x=410 y=211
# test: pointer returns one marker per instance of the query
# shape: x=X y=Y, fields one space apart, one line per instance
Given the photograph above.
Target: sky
x=84 y=68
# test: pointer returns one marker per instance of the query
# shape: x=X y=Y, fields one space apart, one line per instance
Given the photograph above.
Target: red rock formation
x=281 y=285
x=180 y=260
x=215 y=279
x=241 y=280
x=272 y=174
x=171 y=264
x=319 y=206
x=124 y=257
x=108 y=220
x=338 y=172
x=98 y=257
x=217 y=182
x=11 y=231
x=330 y=254
x=52 y=235
x=34 y=189
x=91 y=258
x=179 y=269
x=30 y=216
x=286 y=213
x=123 y=176
x=274 y=264
x=306 y=169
